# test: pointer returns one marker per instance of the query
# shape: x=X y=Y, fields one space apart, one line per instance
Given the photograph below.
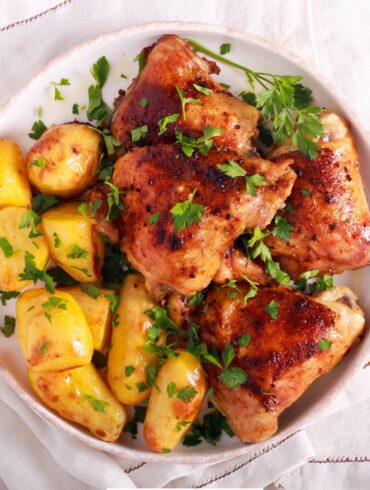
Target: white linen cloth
x=329 y=34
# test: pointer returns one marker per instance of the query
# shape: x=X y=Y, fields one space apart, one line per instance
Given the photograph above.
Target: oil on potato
x=174 y=405
x=97 y=312
x=14 y=185
x=128 y=361
x=52 y=331
x=80 y=395
x=74 y=242
x=65 y=160
x=15 y=240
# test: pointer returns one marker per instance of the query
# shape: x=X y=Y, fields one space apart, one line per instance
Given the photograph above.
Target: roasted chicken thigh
x=329 y=212
x=306 y=338
x=170 y=66
x=153 y=179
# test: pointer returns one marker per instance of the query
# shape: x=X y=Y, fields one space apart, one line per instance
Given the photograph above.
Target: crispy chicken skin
x=331 y=224
x=170 y=63
x=153 y=179
x=283 y=357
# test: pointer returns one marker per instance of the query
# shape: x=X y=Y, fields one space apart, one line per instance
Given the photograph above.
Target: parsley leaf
x=141 y=59
x=225 y=48
x=284 y=101
x=61 y=278
x=186 y=393
x=42 y=202
x=38 y=129
x=57 y=93
x=129 y=370
x=232 y=169
x=98 y=405
x=272 y=309
x=153 y=218
x=143 y=102
x=41 y=163
x=91 y=290
x=202 y=144
x=324 y=344
x=9 y=326
x=114 y=203
x=211 y=428
x=253 y=291
x=185 y=100
x=305 y=192
x=233 y=377
x=248 y=97
x=161 y=319
x=77 y=252
x=139 y=134
x=186 y=213
x=202 y=90
x=32 y=273
x=113 y=301
x=6 y=247
x=244 y=340
x=180 y=425
x=254 y=181
x=7 y=295
x=100 y=71
x=228 y=355
x=75 y=109
x=162 y=123
x=282 y=228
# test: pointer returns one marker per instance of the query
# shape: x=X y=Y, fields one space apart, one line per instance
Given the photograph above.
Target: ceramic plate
x=16 y=119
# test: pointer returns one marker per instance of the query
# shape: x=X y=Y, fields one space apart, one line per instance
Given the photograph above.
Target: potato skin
x=161 y=430
x=67 y=393
x=97 y=313
x=11 y=267
x=61 y=342
x=14 y=185
x=128 y=339
x=72 y=228
x=71 y=154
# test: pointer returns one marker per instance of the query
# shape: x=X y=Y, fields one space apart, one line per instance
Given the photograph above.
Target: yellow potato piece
x=74 y=242
x=97 y=313
x=128 y=339
x=14 y=242
x=14 y=185
x=80 y=395
x=52 y=331
x=169 y=416
x=65 y=160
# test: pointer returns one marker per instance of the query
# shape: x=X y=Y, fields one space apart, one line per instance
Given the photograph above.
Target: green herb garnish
x=186 y=213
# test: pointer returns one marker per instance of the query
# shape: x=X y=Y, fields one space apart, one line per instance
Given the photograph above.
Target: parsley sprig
x=233 y=170
x=284 y=102
x=202 y=144
x=186 y=213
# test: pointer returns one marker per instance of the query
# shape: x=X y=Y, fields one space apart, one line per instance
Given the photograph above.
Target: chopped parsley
x=77 y=252
x=185 y=100
x=113 y=301
x=248 y=97
x=38 y=129
x=141 y=59
x=180 y=425
x=42 y=202
x=282 y=228
x=141 y=387
x=209 y=430
x=272 y=309
x=41 y=163
x=61 y=278
x=202 y=90
x=9 y=326
x=57 y=93
x=129 y=370
x=228 y=355
x=6 y=247
x=186 y=394
x=153 y=218
x=162 y=123
x=202 y=144
x=75 y=109
x=139 y=134
x=43 y=348
x=143 y=102
x=186 y=213
x=91 y=290
x=98 y=110
x=98 y=405
x=115 y=205
x=305 y=192
x=225 y=48
x=324 y=344
x=31 y=219
x=244 y=340
x=7 y=295
x=233 y=377
x=233 y=169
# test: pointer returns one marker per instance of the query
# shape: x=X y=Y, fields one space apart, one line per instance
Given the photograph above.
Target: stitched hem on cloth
x=341 y=459
x=34 y=17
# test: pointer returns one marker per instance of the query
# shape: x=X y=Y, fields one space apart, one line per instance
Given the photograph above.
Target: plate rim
x=356 y=363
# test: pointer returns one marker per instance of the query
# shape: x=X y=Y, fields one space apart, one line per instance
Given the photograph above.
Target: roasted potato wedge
x=65 y=160
x=52 y=331
x=14 y=185
x=128 y=361
x=15 y=240
x=97 y=312
x=80 y=395
x=74 y=242
x=174 y=405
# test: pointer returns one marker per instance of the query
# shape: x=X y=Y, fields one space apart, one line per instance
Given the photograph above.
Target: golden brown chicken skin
x=283 y=356
x=170 y=63
x=330 y=214
x=153 y=179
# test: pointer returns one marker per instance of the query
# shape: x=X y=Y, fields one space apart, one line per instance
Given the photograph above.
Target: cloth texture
x=333 y=453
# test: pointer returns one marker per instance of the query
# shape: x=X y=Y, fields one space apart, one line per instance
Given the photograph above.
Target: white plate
x=16 y=119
